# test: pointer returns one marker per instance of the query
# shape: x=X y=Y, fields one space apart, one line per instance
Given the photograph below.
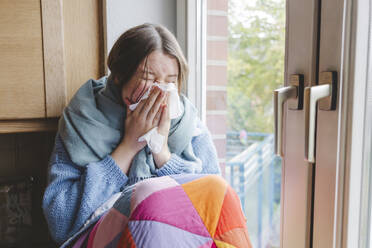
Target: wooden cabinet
x=21 y=62
x=48 y=49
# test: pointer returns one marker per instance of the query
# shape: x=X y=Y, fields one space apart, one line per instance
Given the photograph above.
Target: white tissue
x=155 y=140
x=175 y=109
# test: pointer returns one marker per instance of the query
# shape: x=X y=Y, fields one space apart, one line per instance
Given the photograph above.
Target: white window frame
x=353 y=150
x=191 y=34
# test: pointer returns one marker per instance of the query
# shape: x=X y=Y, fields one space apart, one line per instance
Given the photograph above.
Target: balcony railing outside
x=254 y=172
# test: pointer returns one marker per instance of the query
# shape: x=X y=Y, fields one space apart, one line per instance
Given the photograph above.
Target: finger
x=167 y=100
x=163 y=119
x=128 y=110
x=144 y=90
x=156 y=120
x=149 y=102
x=138 y=92
x=127 y=103
x=140 y=104
x=155 y=108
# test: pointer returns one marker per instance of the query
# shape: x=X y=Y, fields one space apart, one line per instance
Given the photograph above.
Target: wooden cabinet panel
x=21 y=61
x=54 y=59
x=83 y=42
x=73 y=49
x=48 y=49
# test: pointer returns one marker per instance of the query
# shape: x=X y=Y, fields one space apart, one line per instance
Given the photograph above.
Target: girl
x=97 y=153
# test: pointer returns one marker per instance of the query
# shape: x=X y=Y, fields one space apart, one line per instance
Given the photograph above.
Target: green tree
x=255 y=62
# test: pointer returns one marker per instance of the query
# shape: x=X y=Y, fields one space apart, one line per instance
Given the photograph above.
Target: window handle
x=281 y=95
x=326 y=93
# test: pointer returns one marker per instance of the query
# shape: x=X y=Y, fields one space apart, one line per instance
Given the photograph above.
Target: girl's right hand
x=145 y=117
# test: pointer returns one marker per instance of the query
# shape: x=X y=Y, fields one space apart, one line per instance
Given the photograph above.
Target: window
x=245 y=42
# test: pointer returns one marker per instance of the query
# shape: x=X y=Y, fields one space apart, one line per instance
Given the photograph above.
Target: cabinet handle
x=280 y=96
x=326 y=89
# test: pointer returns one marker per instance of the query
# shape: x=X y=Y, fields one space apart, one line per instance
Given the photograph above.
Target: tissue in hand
x=175 y=109
x=155 y=140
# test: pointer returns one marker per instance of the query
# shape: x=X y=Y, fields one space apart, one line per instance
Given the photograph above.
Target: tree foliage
x=255 y=62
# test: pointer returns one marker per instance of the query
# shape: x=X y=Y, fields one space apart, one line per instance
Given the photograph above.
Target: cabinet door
x=21 y=61
x=83 y=43
x=73 y=49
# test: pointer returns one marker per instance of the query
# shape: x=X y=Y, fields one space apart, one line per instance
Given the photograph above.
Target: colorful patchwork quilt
x=188 y=210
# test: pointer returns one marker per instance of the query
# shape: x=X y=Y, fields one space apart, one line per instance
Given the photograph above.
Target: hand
x=163 y=128
x=144 y=118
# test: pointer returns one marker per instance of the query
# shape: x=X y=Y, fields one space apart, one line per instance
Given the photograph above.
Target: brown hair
x=136 y=44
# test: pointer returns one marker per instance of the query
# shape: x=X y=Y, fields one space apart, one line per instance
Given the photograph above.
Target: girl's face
x=160 y=68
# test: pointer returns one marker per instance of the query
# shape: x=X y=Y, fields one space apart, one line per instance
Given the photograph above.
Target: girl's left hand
x=163 y=128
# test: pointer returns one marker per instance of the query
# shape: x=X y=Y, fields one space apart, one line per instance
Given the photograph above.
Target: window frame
x=191 y=35
x=353 y=197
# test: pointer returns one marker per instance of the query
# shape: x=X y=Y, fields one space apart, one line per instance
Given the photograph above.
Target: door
x=301 y=55
x=314 y=137
x=327 y=123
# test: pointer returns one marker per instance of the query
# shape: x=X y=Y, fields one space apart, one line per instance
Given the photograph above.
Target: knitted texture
x=74 y=192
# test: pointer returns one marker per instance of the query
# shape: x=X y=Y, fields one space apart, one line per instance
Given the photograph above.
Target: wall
x=217 y=50
x=122 y=15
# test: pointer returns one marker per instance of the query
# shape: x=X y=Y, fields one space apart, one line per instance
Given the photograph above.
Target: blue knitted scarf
x=92 y=125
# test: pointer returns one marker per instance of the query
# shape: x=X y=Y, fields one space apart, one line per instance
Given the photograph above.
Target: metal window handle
x=294 y=91
x=280 y=96
x=327 y=89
